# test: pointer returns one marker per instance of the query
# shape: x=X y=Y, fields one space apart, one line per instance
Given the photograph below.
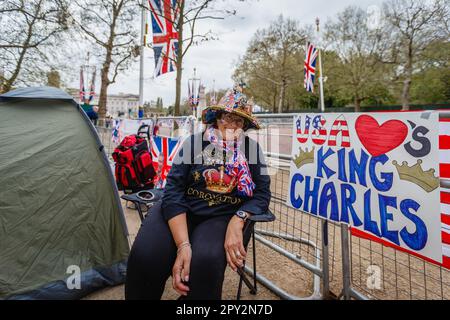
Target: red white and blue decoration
x=165 y=14
x=163 y=150
x=310 y=66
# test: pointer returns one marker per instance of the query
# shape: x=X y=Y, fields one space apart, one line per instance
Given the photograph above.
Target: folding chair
x=144 y=198
x=249 y=233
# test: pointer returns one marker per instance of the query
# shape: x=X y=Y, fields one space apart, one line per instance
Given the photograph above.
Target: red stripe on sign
x=444 y=170
x=345 y=133
x=444 y=142
x=446 y=262
x=345 y=144
x=445 y=197
x=445 y=238
x=361 y=234
x=445 y=218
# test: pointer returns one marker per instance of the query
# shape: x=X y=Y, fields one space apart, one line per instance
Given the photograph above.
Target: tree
x=110 y=27
x=273 y=62
x=53 y=79
x=355 y=71
x=28 y=32
x=430 y=84
x=411 y=26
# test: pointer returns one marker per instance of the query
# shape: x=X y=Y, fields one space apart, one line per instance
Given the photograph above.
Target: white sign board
x=378 y=172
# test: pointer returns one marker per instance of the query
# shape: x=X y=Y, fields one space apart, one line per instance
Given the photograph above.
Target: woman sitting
x=218 y=180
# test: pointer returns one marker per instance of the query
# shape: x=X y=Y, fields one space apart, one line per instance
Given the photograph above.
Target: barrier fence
x=323 y=259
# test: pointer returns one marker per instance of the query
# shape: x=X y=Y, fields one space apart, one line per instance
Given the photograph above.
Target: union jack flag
x=165 y=36
x=163 y=151
x=310 y=66
x=92 y=90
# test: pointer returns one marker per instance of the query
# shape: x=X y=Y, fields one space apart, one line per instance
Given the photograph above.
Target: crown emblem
x=304 y=157
x=415 y=174
x=219 y=181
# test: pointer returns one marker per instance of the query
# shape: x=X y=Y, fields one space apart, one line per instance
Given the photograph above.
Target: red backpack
x=134 y=169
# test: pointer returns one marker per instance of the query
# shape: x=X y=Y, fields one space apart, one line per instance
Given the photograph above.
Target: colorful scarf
x=238 y=166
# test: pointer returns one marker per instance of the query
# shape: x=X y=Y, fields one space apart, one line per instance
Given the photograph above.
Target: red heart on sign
x=378 y=139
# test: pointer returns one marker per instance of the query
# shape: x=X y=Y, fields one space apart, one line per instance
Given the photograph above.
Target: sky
x=216 y=60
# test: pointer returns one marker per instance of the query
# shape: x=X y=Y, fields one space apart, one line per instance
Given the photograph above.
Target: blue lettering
x=347 y=202
x=358 y=167
x=385 y=216
x=369 y=225
x=329 y=195
x=341 y=160
x=386 y=183
x=418 y=239
x=296 y=202
x=321 y=163
x=311 y=194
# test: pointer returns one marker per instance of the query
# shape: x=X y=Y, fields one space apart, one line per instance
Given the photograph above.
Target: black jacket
x=190 y=188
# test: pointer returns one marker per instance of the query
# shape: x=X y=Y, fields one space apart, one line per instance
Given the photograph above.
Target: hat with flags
x=234 y=101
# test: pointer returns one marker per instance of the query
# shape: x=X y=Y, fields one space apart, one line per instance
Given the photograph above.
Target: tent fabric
x=37 y=93
x=59 y=206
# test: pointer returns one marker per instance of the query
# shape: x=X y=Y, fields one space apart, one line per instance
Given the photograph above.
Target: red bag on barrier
x=134 y=170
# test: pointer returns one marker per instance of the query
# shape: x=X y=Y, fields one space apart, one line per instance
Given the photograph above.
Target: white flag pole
x=322 y=100
x=141 y=56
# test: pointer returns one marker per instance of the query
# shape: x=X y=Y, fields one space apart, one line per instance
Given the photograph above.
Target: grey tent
x=62 y=228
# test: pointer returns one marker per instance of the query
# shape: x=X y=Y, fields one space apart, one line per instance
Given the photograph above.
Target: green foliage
x=363 y=65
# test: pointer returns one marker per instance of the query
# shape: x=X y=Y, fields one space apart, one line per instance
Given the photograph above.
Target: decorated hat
x=234 y=101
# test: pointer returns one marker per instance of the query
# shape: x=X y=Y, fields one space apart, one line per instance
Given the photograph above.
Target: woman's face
x=230 y=125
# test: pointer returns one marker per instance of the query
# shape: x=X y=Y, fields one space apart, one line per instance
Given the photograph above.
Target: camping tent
x=61 y=220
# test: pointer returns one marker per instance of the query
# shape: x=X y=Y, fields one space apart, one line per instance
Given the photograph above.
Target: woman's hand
x=180 y=270
x=234 y=245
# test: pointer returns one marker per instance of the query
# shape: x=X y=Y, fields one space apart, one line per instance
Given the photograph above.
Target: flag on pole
x=92 y=88
x=310 y=66
x=81 y=86
x=165 y=35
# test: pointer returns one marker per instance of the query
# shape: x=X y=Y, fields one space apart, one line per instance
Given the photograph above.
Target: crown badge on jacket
x=415 y=174
x=219 y=181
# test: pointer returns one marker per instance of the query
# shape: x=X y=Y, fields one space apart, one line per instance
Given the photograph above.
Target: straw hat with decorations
x=234 y=101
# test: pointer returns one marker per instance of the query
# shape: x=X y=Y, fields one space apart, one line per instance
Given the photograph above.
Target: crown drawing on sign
x=304 y=157
x=415 y=174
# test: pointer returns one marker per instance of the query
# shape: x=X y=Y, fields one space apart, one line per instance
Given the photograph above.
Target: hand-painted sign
x=377 y=172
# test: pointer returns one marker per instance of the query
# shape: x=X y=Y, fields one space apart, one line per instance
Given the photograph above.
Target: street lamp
x=194 y=92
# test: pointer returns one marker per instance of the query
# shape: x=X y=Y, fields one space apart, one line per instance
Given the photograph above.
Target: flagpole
x=141 y=55
x=322 y=102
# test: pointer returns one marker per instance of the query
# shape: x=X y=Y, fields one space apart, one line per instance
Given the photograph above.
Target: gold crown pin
x=415 y=174
x=304 y=157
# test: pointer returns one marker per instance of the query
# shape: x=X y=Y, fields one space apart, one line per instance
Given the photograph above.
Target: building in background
x=122 y=105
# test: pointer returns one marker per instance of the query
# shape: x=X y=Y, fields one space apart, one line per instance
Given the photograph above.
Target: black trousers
x=154 y=252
